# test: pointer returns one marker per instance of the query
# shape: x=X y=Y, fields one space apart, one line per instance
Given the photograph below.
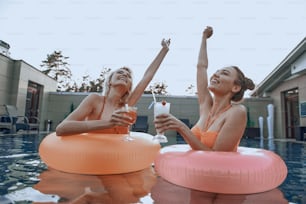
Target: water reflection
x=24 y=177
x=164 y=192
x=136 y=187
x=294 y=155
x=20 y=162
x=76 y=189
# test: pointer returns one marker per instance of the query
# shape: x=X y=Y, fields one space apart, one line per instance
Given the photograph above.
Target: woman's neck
x=115 y=98
x=219 y=104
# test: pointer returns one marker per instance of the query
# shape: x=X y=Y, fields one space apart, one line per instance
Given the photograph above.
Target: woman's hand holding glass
x=160 y=108
x=125 y=117
x=131 y=112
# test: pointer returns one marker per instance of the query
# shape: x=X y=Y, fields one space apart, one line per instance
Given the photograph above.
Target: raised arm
x=204 y=96
x=149 y=73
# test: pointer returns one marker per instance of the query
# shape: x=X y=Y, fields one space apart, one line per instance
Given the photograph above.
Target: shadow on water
x=26 y=178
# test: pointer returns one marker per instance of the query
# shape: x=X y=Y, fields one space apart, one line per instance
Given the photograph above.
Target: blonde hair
x=106 y=87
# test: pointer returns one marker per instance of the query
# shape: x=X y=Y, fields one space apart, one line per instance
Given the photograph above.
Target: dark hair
x=244 y=82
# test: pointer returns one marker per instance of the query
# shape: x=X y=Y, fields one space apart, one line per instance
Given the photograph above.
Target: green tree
x=57 y=67
x=89 y=85
x=97 y=84
x=159 y=88
x=191 y=89
x=84 y=85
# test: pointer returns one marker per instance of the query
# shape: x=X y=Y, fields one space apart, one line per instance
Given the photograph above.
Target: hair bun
x=249 y=84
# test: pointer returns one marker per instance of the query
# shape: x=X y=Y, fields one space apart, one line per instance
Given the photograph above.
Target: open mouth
x=214 y=81
x=123 y=78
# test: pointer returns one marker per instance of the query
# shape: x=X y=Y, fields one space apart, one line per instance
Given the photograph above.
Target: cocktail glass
x=160 y=108
x=131 y=111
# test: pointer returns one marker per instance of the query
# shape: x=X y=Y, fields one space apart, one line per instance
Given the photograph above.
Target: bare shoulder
x=95 y=95
x=93 y=98
x=238 y=109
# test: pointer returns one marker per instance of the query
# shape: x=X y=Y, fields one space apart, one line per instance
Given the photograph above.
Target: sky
x=255 y=35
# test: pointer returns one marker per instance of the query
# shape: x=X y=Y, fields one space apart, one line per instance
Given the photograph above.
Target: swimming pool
x=25 y=179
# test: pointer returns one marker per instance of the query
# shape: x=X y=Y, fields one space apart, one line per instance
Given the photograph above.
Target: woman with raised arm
x=104 y=112
x=221 y=123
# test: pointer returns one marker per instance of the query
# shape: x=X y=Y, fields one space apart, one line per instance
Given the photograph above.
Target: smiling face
x=122 y=76
x=223 y=81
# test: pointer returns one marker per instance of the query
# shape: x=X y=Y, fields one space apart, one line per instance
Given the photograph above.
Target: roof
x=4 y=44
x=281 y=72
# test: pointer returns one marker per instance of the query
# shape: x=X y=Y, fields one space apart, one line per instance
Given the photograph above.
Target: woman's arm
x=204 y=96
x=77 y=121
x=166 y=122
x=228 y=137
x=149 y=74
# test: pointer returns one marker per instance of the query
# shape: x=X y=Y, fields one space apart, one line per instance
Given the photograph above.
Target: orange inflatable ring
x=247 y=171
x=96 y=153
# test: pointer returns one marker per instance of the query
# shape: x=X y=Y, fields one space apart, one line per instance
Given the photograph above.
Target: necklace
x=210 y=120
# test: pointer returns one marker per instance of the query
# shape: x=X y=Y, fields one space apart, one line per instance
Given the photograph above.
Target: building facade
x=286 y=86
x=25 y=87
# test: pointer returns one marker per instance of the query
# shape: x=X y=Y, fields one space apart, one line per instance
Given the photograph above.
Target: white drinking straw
x=154 y=99
x=126 y=107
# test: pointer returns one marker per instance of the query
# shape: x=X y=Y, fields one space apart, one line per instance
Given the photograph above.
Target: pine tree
x=56 y=67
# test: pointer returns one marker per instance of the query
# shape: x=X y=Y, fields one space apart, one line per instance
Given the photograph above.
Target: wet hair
x=106 y=86
x=245 y=84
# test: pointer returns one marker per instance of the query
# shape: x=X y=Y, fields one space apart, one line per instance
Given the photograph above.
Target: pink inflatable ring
x=247 y=171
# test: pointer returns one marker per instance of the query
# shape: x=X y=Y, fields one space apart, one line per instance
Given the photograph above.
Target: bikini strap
x=104 y=99
x=210 y=120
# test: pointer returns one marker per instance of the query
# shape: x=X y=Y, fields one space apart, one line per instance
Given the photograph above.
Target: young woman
x=105 y=112
x=221 y=123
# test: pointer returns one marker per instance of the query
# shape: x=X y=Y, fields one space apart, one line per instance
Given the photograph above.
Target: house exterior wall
x=276 y=95
x=181 y=106
x=28 y=73
x=257 y=107
x=59 y=105
x=7 y=81
x=14 y=78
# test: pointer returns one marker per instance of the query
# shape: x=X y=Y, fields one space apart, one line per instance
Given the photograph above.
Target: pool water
x=26 y=179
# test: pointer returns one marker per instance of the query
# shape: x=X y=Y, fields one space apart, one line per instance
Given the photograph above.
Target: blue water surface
x=26 y=179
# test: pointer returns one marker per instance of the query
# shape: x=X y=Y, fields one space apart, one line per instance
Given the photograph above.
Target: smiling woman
x=222 y=121
x=99 y=112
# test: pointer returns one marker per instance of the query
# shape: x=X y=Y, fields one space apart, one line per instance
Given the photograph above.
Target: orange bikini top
x=114 y=130
x=208 y=138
